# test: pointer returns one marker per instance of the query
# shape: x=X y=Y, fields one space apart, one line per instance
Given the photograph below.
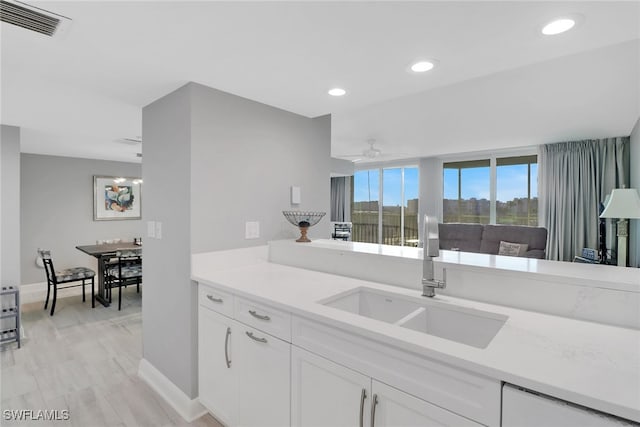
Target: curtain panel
x=338 y=198
x=573 y=179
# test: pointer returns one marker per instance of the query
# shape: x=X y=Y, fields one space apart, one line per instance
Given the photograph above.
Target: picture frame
x=116 y=198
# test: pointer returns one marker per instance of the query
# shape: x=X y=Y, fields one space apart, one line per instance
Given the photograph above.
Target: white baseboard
x=37 y=292
x=189 y=409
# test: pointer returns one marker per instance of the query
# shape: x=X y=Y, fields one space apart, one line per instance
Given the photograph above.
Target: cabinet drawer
x=216 y=300
x=264 y=318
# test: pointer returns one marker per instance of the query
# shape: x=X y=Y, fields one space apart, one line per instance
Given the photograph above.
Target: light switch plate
x=252 y=230
x=295 y=195
x=158 y=230
x=151 y=229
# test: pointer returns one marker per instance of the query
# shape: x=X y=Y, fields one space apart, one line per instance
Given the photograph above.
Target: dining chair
x=69 y=275
x=127 y=271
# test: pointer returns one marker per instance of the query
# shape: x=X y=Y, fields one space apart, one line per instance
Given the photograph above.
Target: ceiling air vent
x=32 y=18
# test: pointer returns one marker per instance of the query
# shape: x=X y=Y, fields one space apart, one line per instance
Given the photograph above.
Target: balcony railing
x=365 y=229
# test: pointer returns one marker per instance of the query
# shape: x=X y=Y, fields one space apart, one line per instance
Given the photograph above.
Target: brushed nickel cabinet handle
x=363 y=396
x=253 y=337
x=211 y=298
x=259 y=316
x=374 y=403
x=226 y=348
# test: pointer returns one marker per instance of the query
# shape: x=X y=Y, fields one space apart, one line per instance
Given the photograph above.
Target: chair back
x=129 y=258
x=48 y=265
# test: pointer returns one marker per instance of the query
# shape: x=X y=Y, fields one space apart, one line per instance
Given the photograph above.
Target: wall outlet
x=252 y=230
x=151 y=229
x=158 y=230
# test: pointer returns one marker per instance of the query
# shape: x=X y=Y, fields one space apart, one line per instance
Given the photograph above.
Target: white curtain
x=573 y=179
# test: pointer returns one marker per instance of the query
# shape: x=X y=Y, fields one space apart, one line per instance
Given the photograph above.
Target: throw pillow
x=512 y=249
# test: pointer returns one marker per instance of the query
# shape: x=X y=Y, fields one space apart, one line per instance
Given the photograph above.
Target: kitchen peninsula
x=254 y=310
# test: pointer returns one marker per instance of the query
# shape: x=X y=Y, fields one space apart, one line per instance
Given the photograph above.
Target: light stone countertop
x=609 y=276
x=586 y=363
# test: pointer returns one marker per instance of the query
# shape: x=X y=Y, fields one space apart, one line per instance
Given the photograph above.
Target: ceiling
x=498 y=82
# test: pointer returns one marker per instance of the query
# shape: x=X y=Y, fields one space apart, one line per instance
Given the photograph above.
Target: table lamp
x=623 y=204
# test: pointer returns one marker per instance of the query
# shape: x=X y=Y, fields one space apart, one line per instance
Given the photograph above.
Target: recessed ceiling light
x=422 y=66
x=558 y=26
x=336 y=91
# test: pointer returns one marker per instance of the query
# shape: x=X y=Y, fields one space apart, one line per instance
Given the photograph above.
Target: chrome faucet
x=431 y=250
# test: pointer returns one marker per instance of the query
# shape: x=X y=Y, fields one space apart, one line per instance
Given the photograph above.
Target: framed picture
x=116 y=198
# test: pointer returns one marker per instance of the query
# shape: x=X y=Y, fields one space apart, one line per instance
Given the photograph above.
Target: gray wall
x=10 y=212
x=634 y=232
x=169 y=308
x=212 y=161
x=57 y=210
x=245 y=156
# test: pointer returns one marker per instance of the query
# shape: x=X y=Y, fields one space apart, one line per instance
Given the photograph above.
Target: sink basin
x=373 y=304
x=464 y=325
x=467 y=326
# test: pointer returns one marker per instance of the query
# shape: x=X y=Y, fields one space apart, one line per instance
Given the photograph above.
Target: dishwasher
x=525 y=408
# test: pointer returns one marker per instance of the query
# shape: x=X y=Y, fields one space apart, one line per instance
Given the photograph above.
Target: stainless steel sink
x=464 y=325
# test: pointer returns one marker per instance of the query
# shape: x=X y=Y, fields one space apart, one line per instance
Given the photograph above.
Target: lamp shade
x=624 y=203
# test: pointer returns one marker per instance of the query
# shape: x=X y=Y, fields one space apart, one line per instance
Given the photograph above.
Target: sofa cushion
x=464 y=237
x=535 y=237
x=512 y=249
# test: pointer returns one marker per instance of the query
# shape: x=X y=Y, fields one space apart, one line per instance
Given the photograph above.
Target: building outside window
x=391 y=219
x=467 y=192
x=491 y=191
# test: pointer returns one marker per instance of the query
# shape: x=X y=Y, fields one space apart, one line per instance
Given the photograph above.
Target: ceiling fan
x=371 y=153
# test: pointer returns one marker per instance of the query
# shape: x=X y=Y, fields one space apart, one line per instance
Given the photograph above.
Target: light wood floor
x=85 y=361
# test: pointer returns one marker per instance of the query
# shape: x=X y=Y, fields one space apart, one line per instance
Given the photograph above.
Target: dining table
x=102 y=251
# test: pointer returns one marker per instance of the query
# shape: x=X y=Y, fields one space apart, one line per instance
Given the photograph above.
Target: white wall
x=212 y=161
x=57 y=210
x=634 y=232
x=245 y=156
x=169 y=307
x=342 y=167
x=10 y=205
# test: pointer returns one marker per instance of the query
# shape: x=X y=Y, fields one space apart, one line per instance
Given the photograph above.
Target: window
x=466 y=192
x=391 y=219
x=517 y=190
x=365 y=210
x=468 y=187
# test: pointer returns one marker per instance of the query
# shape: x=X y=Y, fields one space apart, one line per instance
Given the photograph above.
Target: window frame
x=493 y=157
x=380 y=167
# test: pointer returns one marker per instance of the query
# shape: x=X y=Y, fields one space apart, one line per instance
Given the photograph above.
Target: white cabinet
x=243 y=373
x=327 y=394
x=324 y=393
x=217 y=381
x=391 y=407
x=262 y=363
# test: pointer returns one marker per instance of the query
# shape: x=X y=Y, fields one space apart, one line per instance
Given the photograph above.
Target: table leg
x=101 y=296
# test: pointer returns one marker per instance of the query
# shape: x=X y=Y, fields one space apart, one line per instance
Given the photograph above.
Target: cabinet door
x=264 y=378
x=216 y=365
x=324 y=393
x=392 y=407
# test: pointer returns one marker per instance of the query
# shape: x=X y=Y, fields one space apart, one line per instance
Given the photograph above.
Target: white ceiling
x=498 y=83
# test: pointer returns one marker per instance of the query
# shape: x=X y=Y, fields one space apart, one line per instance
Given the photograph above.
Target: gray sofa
x=486 y=238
